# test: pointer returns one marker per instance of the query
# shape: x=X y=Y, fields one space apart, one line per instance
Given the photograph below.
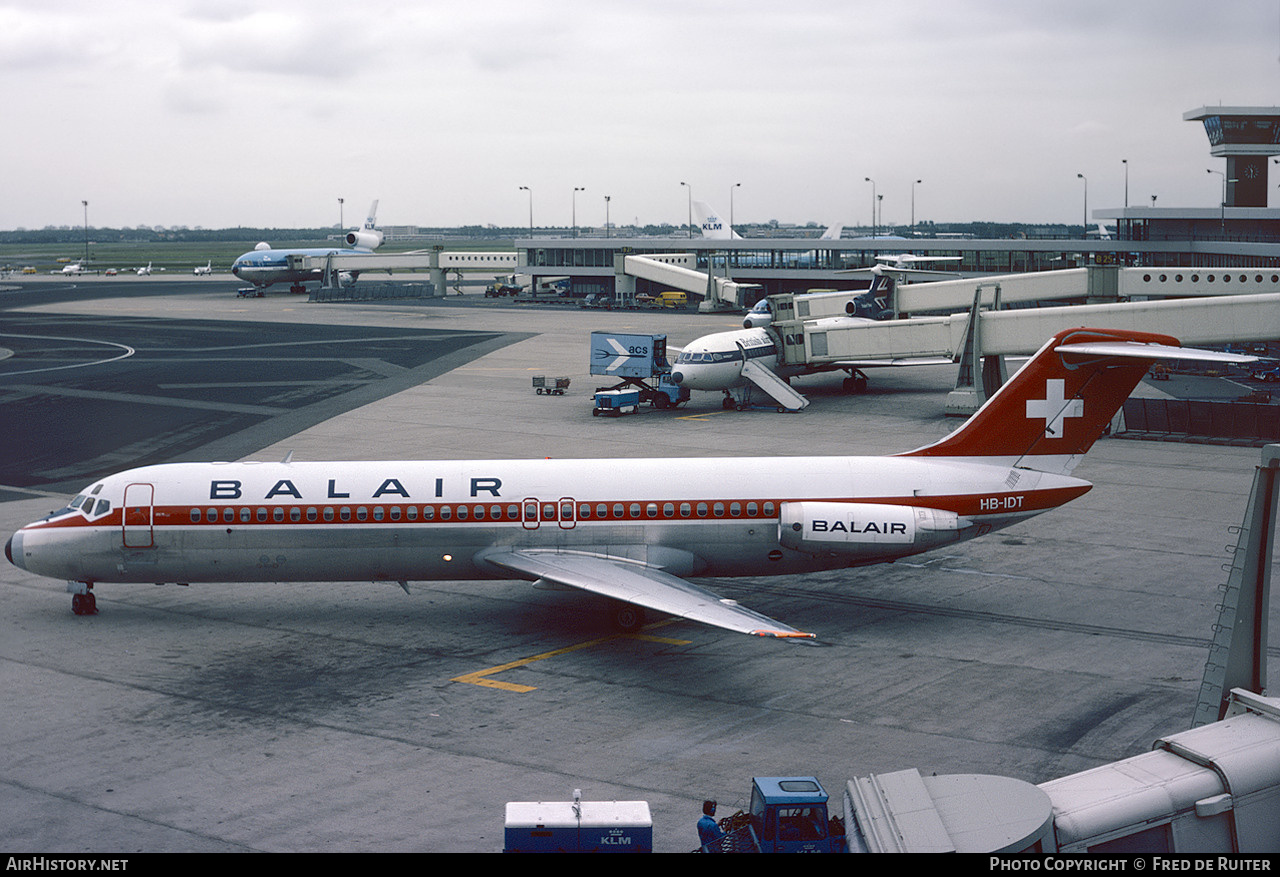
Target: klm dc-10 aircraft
x=263 y=266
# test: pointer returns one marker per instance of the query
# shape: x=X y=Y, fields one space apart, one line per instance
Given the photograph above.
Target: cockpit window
x=85 y=504
x=687 y=357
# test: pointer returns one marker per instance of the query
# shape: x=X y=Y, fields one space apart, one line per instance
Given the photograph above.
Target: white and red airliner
x=632 y=530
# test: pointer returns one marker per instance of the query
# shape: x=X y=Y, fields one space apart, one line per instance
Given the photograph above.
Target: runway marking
x=700 y=417
x=480 y=677
x=128 y=351
x=136 y=399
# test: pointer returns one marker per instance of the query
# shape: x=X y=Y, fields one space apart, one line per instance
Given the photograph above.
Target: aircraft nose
x=14 y=545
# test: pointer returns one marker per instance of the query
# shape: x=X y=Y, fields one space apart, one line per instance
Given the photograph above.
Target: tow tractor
x=641 y=363
x=786 y=815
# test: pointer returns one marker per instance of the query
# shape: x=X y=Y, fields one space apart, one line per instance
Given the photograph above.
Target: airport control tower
x=1245 y=137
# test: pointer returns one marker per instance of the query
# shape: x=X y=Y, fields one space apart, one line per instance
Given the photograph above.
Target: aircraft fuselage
x=266 y=266
x=232 y=522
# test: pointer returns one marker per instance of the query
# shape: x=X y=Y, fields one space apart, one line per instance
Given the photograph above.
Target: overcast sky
x=230 y=112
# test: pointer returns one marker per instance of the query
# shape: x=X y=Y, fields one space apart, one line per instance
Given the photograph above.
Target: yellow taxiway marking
x=481 y=677
x=703 y=416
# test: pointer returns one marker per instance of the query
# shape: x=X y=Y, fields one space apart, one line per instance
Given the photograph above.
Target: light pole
x=1084 y=226
x=690 y=225
x=873 y=205
x=530 y=191
x=576 y=190
x=731 y=188
x=86 y=234
x=341 y=219
x=1222 y=205
x=606 y=216
x=913 y=206
x=1125 y=162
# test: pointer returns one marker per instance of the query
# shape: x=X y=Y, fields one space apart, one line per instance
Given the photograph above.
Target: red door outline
x=138 y=518
x=568 y=513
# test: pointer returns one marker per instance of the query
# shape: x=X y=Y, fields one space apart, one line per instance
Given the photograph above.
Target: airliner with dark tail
x=262 y=266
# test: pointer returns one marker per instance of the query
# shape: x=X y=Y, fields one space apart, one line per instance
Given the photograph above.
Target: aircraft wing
x=636 y=583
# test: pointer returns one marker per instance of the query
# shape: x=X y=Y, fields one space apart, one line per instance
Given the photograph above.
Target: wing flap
x=636 y=583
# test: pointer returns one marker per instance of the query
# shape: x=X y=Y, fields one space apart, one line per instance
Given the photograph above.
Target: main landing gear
x=856 y=382
x=82 y=600
x=628 y=617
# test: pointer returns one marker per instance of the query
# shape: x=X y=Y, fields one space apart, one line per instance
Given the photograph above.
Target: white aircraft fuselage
x=714 y=362
x=267 y=266
x=626 y=529
x=245 y=522
x=263 y=266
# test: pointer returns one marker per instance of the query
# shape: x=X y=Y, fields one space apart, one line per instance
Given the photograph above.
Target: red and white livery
x=632 y=530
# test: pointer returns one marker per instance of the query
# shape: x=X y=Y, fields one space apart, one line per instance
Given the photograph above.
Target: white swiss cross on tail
x=1054 y=408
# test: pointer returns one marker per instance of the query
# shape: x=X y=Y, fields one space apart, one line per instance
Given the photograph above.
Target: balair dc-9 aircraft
x=630 y=529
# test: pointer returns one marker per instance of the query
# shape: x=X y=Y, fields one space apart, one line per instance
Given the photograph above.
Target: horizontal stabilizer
x=1154 y=351
x=636 y=583
x=776 y=387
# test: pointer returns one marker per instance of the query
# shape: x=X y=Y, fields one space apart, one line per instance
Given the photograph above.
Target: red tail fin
x=1058 y=404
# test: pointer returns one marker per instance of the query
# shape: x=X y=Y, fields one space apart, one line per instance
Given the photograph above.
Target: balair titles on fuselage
x=631 y=530
x=234 y=489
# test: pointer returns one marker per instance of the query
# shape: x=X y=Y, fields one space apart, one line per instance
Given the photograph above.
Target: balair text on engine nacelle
x=365 y=239
x=862 y=528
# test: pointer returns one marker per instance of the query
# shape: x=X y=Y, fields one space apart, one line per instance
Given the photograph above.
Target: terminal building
x=1242 y=232
x=1246 y=137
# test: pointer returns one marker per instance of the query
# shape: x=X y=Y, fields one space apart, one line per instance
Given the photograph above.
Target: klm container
x=578 y=827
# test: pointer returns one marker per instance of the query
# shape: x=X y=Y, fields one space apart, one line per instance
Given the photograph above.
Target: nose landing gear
x=83 y=602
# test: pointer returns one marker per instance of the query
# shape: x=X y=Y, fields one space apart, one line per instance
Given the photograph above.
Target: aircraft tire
x=84 y=604
x=628 y=617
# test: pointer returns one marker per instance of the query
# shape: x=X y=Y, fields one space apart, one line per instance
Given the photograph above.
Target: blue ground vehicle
x=786 y=815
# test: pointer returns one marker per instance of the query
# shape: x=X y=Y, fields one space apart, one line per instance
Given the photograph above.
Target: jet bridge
x=672 y=270
x=985 y=333
x=333 y=266
x=1095 y=284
